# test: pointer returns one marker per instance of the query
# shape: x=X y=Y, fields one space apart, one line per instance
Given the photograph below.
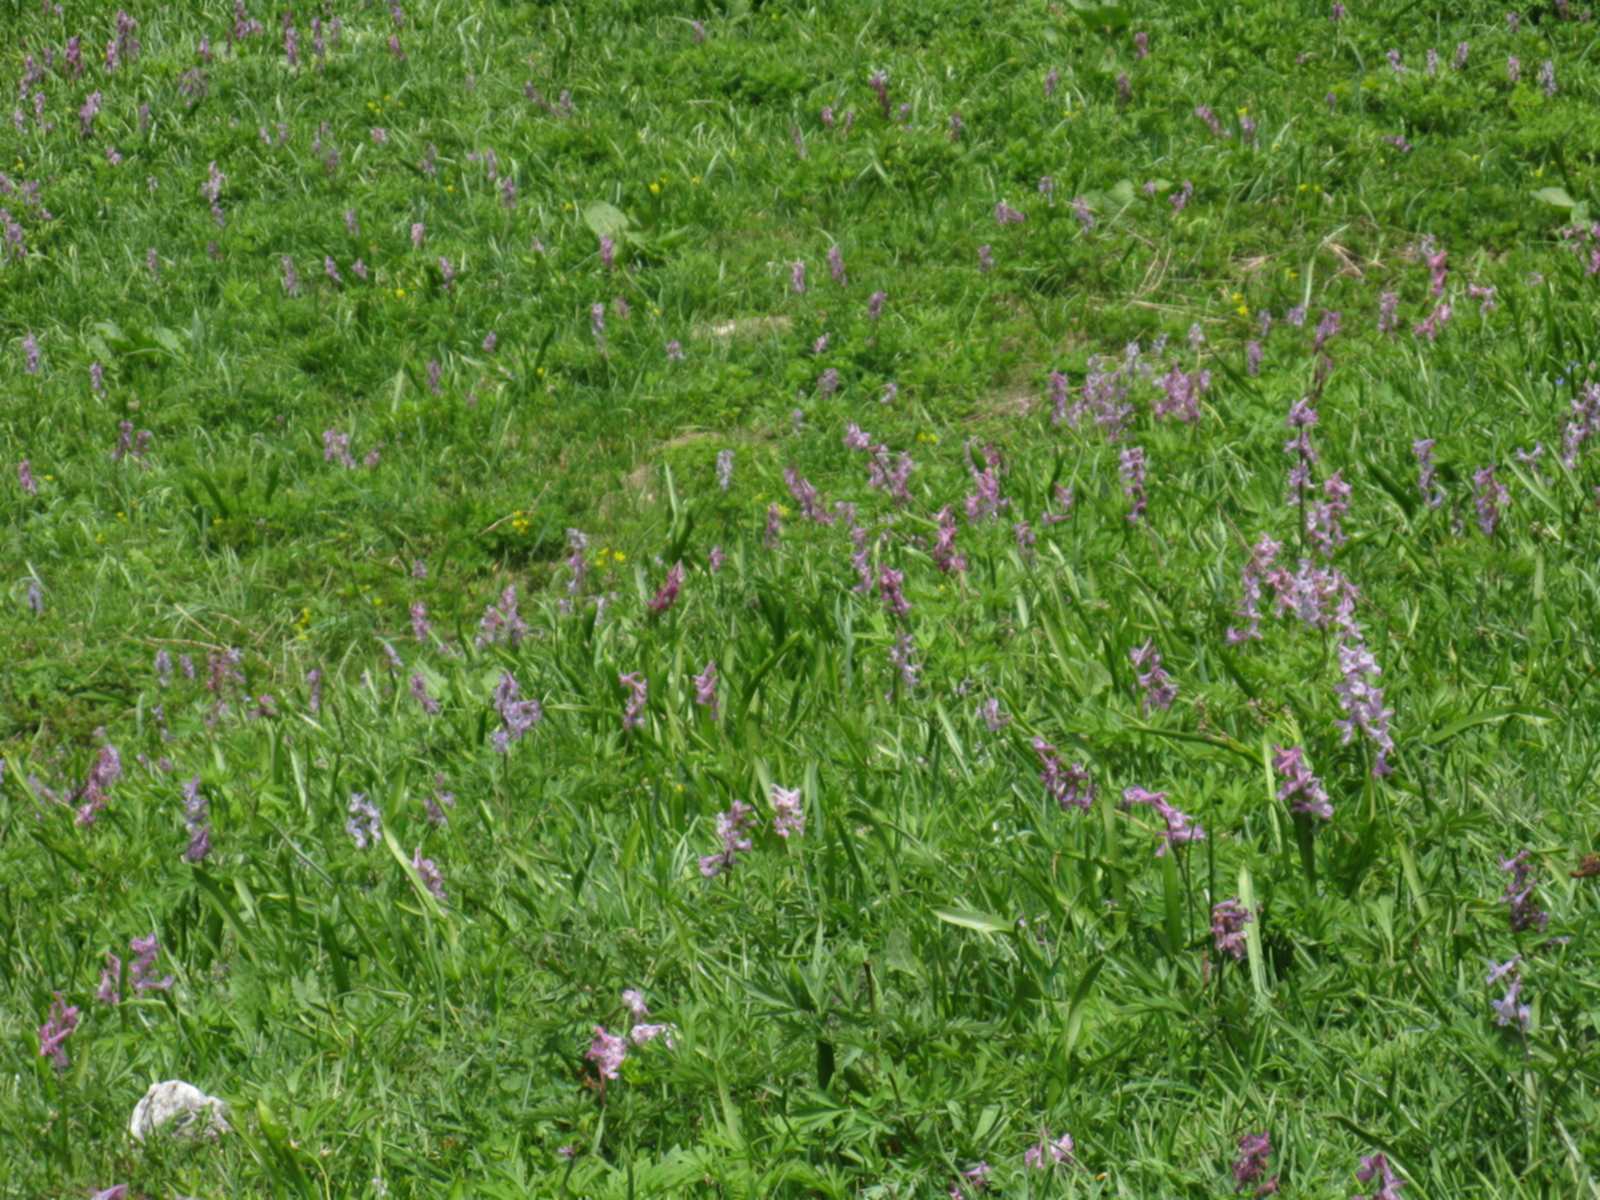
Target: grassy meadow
x=751 y=599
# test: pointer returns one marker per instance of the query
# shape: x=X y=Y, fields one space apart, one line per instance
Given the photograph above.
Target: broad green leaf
x=607 y=220
x=968 y=918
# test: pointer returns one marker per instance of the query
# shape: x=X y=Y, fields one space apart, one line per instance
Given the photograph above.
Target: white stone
x=191 y=1112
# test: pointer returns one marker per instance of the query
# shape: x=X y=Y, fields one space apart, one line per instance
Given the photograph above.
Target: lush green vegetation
x=1015 y=571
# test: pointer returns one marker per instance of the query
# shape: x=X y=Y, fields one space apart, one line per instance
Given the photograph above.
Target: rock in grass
x=190 y=1112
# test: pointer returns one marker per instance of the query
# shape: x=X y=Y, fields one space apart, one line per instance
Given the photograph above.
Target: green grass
x=947 y=963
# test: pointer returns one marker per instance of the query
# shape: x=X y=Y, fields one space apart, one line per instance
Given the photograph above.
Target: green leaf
x=968 y=918
x=607 y=220
x=1462 y=724
x=1556 y=196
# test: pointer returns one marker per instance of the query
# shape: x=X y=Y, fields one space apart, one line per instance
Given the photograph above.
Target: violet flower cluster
x=1180 y=827
x=1070 y=786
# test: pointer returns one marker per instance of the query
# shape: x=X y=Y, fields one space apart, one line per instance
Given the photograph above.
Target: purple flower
x=889 y=589
x=105 y=772
x=1181 y=393
x=774 y=528
x=1489 y=498
x=1228 y=919
x=875 y=305
x=365 y=823
x=1254 y=1150
x=733 y=829
x=715 y=559
x=1513 y=68
x=197 y=821
x=419 y=693
x=1046 y=1153
x=606 y=1051
x=517 y=715
x=502 y=621
x=644 y=1033
x=902 y=657
x=142 y=969
x=1460 y=60
x=1252 y=357
x=1290 y=763
x=836 y=265
x=1518 y=898
x=25 y=478
x=667 y=596
x=797 y=277
x=806 y=497
x=944 y=549
x=879 y=83
x=1181 y=198
x=55 y=1031
x=1141 y=44
x=1323 y=526
x=985 y=259
x=1004 y=214
x=1395 y=64
x=1362 y=701
x=1302 y=416
x=1179 y=826
x=1210 y=118
x=1132 y=470
x=1585 y=421
x=1070 y=787
x=1547 y=77
x=1422 y=449
x=428 y=871
x=638 y=694
x=30 y=351
x=992 y=715
x=788 y=813
x=1389 y=1184
x=1064 y=498
x=985 y=503
x=705 y=688
x=1083 y=213
x=110 y=981
x=87 y=114
x=1159 y=689
x=724 y=469
x=1326 y=328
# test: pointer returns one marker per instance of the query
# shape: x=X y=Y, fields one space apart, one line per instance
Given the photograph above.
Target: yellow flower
x=655 y=188
x=695 y=180
x=399 y=293
x=618 y=556
x=1243 y=310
